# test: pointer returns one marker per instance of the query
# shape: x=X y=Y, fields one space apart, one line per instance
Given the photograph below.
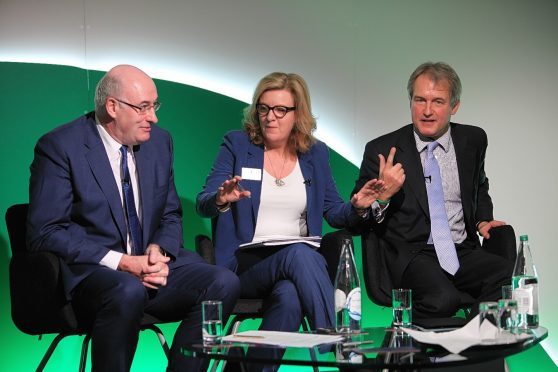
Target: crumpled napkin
x=468 y=335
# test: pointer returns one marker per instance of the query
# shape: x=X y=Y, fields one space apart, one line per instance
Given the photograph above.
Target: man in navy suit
x=80 y=210
x=405 y=221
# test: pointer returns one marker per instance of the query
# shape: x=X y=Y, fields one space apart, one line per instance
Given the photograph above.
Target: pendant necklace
x=278 y=179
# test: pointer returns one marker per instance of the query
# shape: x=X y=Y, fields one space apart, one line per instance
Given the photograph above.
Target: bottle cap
x=523 y=238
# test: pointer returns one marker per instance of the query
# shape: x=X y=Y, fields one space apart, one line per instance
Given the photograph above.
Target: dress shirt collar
x=112 y=147
x=444 y=141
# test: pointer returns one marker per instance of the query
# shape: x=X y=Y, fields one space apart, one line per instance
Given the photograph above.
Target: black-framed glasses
x=142 y=110
x=278 y=111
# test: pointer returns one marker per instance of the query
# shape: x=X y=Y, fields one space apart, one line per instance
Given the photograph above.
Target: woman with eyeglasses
x=273 y=179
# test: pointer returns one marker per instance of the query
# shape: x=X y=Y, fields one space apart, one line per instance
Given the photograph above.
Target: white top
x=112 y=258
x=282 y=209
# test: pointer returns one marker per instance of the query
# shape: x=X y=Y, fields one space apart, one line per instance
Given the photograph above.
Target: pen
x=355 y=343
x=238 y=185
x=247 y=336
x=393 y=350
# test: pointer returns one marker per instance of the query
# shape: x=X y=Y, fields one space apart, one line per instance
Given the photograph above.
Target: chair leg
x=235 y=327
x=215 y=365
x=226 y=331
x=83 y=356
x=229 y=325
x=49 y=351
x=161 y=338
x=305 y=325
x=306 y=328
x=313 y=357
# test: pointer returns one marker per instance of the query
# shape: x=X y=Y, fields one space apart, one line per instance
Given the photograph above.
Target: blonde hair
x=301 y=137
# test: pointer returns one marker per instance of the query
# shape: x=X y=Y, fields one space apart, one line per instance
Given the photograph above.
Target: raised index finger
x=390 y=157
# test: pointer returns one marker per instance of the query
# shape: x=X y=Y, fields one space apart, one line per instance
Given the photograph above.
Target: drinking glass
x=507 y=309
x=488 y=321
x=402 y=304
x=212 y=323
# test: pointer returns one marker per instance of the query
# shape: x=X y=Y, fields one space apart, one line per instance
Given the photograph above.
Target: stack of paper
x=284 y=339
x=271 y=240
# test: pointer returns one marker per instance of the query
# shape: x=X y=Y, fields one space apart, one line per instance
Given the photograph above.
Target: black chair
x=378 y=281
x=38 y=303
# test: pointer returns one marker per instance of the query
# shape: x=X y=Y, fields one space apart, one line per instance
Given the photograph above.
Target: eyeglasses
x=142 y=110
x=278 y=111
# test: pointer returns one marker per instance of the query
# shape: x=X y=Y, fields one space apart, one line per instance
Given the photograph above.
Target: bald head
x=127 y=75
x=125 y=103
x=117 y=80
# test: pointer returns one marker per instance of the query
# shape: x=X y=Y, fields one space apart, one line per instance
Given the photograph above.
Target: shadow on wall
x=5 y=255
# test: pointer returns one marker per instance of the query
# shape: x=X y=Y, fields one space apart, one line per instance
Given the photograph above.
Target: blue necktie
x=440 y=234
x=134 y=227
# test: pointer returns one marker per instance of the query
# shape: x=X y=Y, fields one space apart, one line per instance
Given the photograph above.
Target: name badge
x=253 y=174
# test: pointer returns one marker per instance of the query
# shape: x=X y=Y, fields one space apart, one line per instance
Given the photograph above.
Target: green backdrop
x=36 y=98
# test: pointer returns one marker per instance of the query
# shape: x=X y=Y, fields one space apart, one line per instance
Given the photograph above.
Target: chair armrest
x=204 y=247
x=501 y=242
x=38 y=302
x=375 y=269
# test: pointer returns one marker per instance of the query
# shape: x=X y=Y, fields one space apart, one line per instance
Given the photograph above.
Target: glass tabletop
x=373 y=348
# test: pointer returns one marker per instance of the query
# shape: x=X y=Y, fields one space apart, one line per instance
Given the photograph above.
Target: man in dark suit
x=102 y=197
x=433 y=247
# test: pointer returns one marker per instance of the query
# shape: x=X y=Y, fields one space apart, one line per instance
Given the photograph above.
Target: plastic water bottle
x=347 y=292
x=525 y=286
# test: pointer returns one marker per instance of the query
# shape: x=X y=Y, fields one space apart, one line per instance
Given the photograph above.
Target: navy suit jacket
x=237 y=226
x=406 y=226
x=75 y=209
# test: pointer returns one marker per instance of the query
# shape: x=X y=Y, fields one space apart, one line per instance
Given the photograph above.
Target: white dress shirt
x=447 y=161
x=112 y=147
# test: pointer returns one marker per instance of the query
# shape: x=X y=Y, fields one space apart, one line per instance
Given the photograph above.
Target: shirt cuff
x=223 y=208
x=378 y=212
x=112 y=259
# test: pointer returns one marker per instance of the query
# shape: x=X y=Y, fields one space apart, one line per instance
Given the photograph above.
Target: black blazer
x=406 y=226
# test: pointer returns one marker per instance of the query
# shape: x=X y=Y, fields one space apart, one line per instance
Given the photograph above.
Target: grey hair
x=107 y=86
x=437 y=71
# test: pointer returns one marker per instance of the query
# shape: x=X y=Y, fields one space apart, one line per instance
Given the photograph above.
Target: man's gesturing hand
x=393 y=175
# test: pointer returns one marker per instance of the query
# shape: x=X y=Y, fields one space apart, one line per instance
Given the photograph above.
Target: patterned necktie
x=134 y=227
x=440 y=234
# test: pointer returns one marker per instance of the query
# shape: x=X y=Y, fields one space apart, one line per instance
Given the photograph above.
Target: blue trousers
x=113 y=303
x=295 y=283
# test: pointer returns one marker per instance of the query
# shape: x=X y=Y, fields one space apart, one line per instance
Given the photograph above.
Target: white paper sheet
x=285 y=339
x=272 y=240
x=468 y=335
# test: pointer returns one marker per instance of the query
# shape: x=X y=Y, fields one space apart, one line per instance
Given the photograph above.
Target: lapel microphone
x=428 y=178
x=308 y=182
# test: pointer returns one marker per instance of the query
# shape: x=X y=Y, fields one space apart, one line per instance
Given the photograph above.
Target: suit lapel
x=102 y=172
x=254 y=160
x=409 y=157
x=144 y=163
x=307 y=169
x=465 y=158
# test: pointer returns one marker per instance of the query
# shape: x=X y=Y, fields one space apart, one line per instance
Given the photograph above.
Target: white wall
x=356 y=56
